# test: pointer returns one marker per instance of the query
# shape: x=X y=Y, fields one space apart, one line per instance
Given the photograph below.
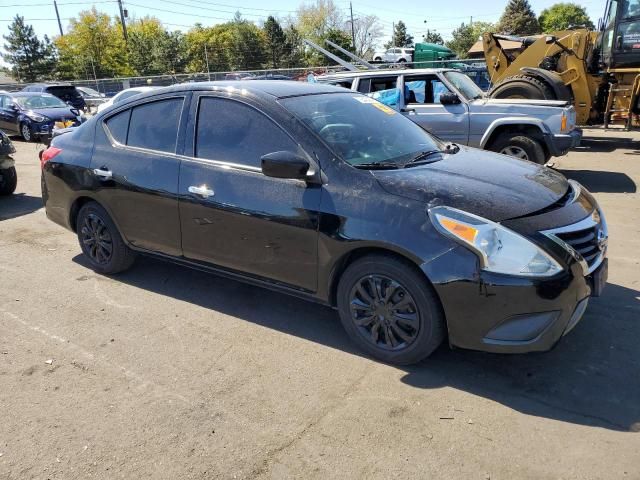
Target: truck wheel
x=523 y=86
x=519 y=146
x=8 y=181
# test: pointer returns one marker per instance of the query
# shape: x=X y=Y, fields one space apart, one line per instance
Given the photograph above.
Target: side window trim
x=180 y=134
x=193 y=131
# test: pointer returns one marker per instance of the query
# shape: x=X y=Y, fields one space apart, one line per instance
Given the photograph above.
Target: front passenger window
x=234 y=132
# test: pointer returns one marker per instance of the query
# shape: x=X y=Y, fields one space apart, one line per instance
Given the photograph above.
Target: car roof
x=274 y=88
x=30 y=94
x=55 y=84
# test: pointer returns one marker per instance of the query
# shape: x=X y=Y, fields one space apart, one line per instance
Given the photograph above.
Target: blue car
x=34 y=116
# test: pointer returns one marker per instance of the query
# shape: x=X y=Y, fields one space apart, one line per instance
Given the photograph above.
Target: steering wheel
x=337 y=133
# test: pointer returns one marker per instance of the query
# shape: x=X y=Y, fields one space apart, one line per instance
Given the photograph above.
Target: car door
x=382 y=88
x=136 y=167
x=231 y=214
x=6 y=114
x=421 y=101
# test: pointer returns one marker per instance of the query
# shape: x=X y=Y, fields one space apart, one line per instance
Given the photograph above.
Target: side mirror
x=285 y=165
x=449 y=98
x=12 y=106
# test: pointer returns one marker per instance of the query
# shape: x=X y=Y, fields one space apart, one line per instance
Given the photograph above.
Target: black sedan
x=329 y=195
x=34 y=116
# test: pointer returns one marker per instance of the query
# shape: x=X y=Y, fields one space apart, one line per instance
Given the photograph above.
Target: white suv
x=394 y=55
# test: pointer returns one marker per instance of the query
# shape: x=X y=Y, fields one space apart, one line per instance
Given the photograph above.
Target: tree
x=276 y=41
x=368 y=30
x=340 y=38
x=294 y=49
x=518 y=19
x=562 y=16
x=218 y=42
x=433 y=37
x=314 y=21
x=30 y=58
x=93 y=45
x=463 y=37
x=400 y=37
x=153 y=50
x=248 y=43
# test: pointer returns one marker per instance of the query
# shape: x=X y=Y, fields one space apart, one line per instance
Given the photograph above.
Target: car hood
x=55 y=113
x=484 y=183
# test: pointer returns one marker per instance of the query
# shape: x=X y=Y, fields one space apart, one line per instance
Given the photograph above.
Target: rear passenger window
x=118 y=125
x=155 y=125
x=231 y=131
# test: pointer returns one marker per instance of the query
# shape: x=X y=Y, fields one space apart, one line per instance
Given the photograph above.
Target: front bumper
x=506 y=314
x=560 y=144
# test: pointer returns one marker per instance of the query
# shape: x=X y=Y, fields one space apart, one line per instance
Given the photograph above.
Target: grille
x=585 y=240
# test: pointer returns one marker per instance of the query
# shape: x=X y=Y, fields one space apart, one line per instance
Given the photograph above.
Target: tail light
x=48 y=154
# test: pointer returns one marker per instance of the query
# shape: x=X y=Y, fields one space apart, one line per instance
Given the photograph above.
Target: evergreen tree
x=30 y=58
x=276 y=41
x=400 y=37
x=518 y=19
x=433 y=37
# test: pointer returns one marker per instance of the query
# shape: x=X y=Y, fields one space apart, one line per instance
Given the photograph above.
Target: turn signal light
x=461 y=230
x=48 y=154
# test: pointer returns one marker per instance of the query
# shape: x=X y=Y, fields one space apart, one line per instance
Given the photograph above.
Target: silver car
x=451 y=106
x=394 y=55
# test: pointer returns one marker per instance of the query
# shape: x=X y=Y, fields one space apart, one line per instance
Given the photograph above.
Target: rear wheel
x=101 y=242
x=377 y=59
x=8 y=181
x=519 y=146
x=390 y=310
x=523 y=86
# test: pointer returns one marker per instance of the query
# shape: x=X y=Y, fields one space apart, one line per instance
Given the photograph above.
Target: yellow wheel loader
x=598 y=71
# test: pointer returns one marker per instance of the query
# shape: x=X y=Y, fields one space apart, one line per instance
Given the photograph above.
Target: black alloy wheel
x=96 y=239
x=385 y=312
x=101 y=242
x=389 y=309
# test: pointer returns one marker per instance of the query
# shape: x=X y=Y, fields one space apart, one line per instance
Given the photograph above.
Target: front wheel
x=520 y=146
x=25 y=132
x=390 y=310
x=8 y=181
x=101 y=242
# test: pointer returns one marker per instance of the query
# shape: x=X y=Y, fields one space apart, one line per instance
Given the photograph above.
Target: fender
x=530 y=121
x=554 y=80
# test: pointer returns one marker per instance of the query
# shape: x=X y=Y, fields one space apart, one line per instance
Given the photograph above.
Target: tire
x=377 y=59
x=8 y=181
x=422 y=328
x=520 y=146
x=523 y=86
x=25 y=132
x=95 y=228
x=402 y=60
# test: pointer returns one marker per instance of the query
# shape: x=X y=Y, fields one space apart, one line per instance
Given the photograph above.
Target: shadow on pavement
x=590 y=378
x=601 y=181
x=16 y=205
x=605 y=144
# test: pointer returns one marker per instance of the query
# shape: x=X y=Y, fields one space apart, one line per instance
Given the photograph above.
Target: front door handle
x=103 y=173
x=201 y=191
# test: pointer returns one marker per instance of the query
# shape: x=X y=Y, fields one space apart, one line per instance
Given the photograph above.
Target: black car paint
x=298 y=237
x=11 y=119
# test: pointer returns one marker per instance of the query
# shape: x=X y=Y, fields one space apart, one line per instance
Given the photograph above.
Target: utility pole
x=206 y=59
x=353 y=31
x=124 y=25
x=471 y=21
x=55 y=5
x=393 y=34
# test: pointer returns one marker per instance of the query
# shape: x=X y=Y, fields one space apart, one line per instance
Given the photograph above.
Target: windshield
x=40 y=101
x=361 y=130
x=464 y=85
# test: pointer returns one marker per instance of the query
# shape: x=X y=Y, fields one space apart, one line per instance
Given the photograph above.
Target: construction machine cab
x=619 y=36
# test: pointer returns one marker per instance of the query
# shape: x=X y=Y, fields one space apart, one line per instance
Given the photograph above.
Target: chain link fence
x=476 y=69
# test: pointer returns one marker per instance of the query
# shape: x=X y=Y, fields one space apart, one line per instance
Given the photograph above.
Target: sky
x=443 y=15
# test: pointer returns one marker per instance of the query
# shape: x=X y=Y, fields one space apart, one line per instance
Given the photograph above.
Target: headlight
x=500 y=250
x=36 y=117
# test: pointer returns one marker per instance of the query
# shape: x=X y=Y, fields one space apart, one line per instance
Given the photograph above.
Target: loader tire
x=523 y=86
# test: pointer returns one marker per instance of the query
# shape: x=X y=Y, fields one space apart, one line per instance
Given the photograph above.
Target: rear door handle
x=103 y=173
x=201 y=191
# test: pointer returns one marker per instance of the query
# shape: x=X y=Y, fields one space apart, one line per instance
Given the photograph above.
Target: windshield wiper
x=377 y=165
x=421 y=157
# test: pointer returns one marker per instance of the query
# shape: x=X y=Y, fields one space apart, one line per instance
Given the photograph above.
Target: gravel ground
x=163 y=372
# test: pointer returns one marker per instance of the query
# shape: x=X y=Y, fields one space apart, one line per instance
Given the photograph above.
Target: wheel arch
x=552 y=79
x=529 y=126
x=82 y=200
x=342 y=263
